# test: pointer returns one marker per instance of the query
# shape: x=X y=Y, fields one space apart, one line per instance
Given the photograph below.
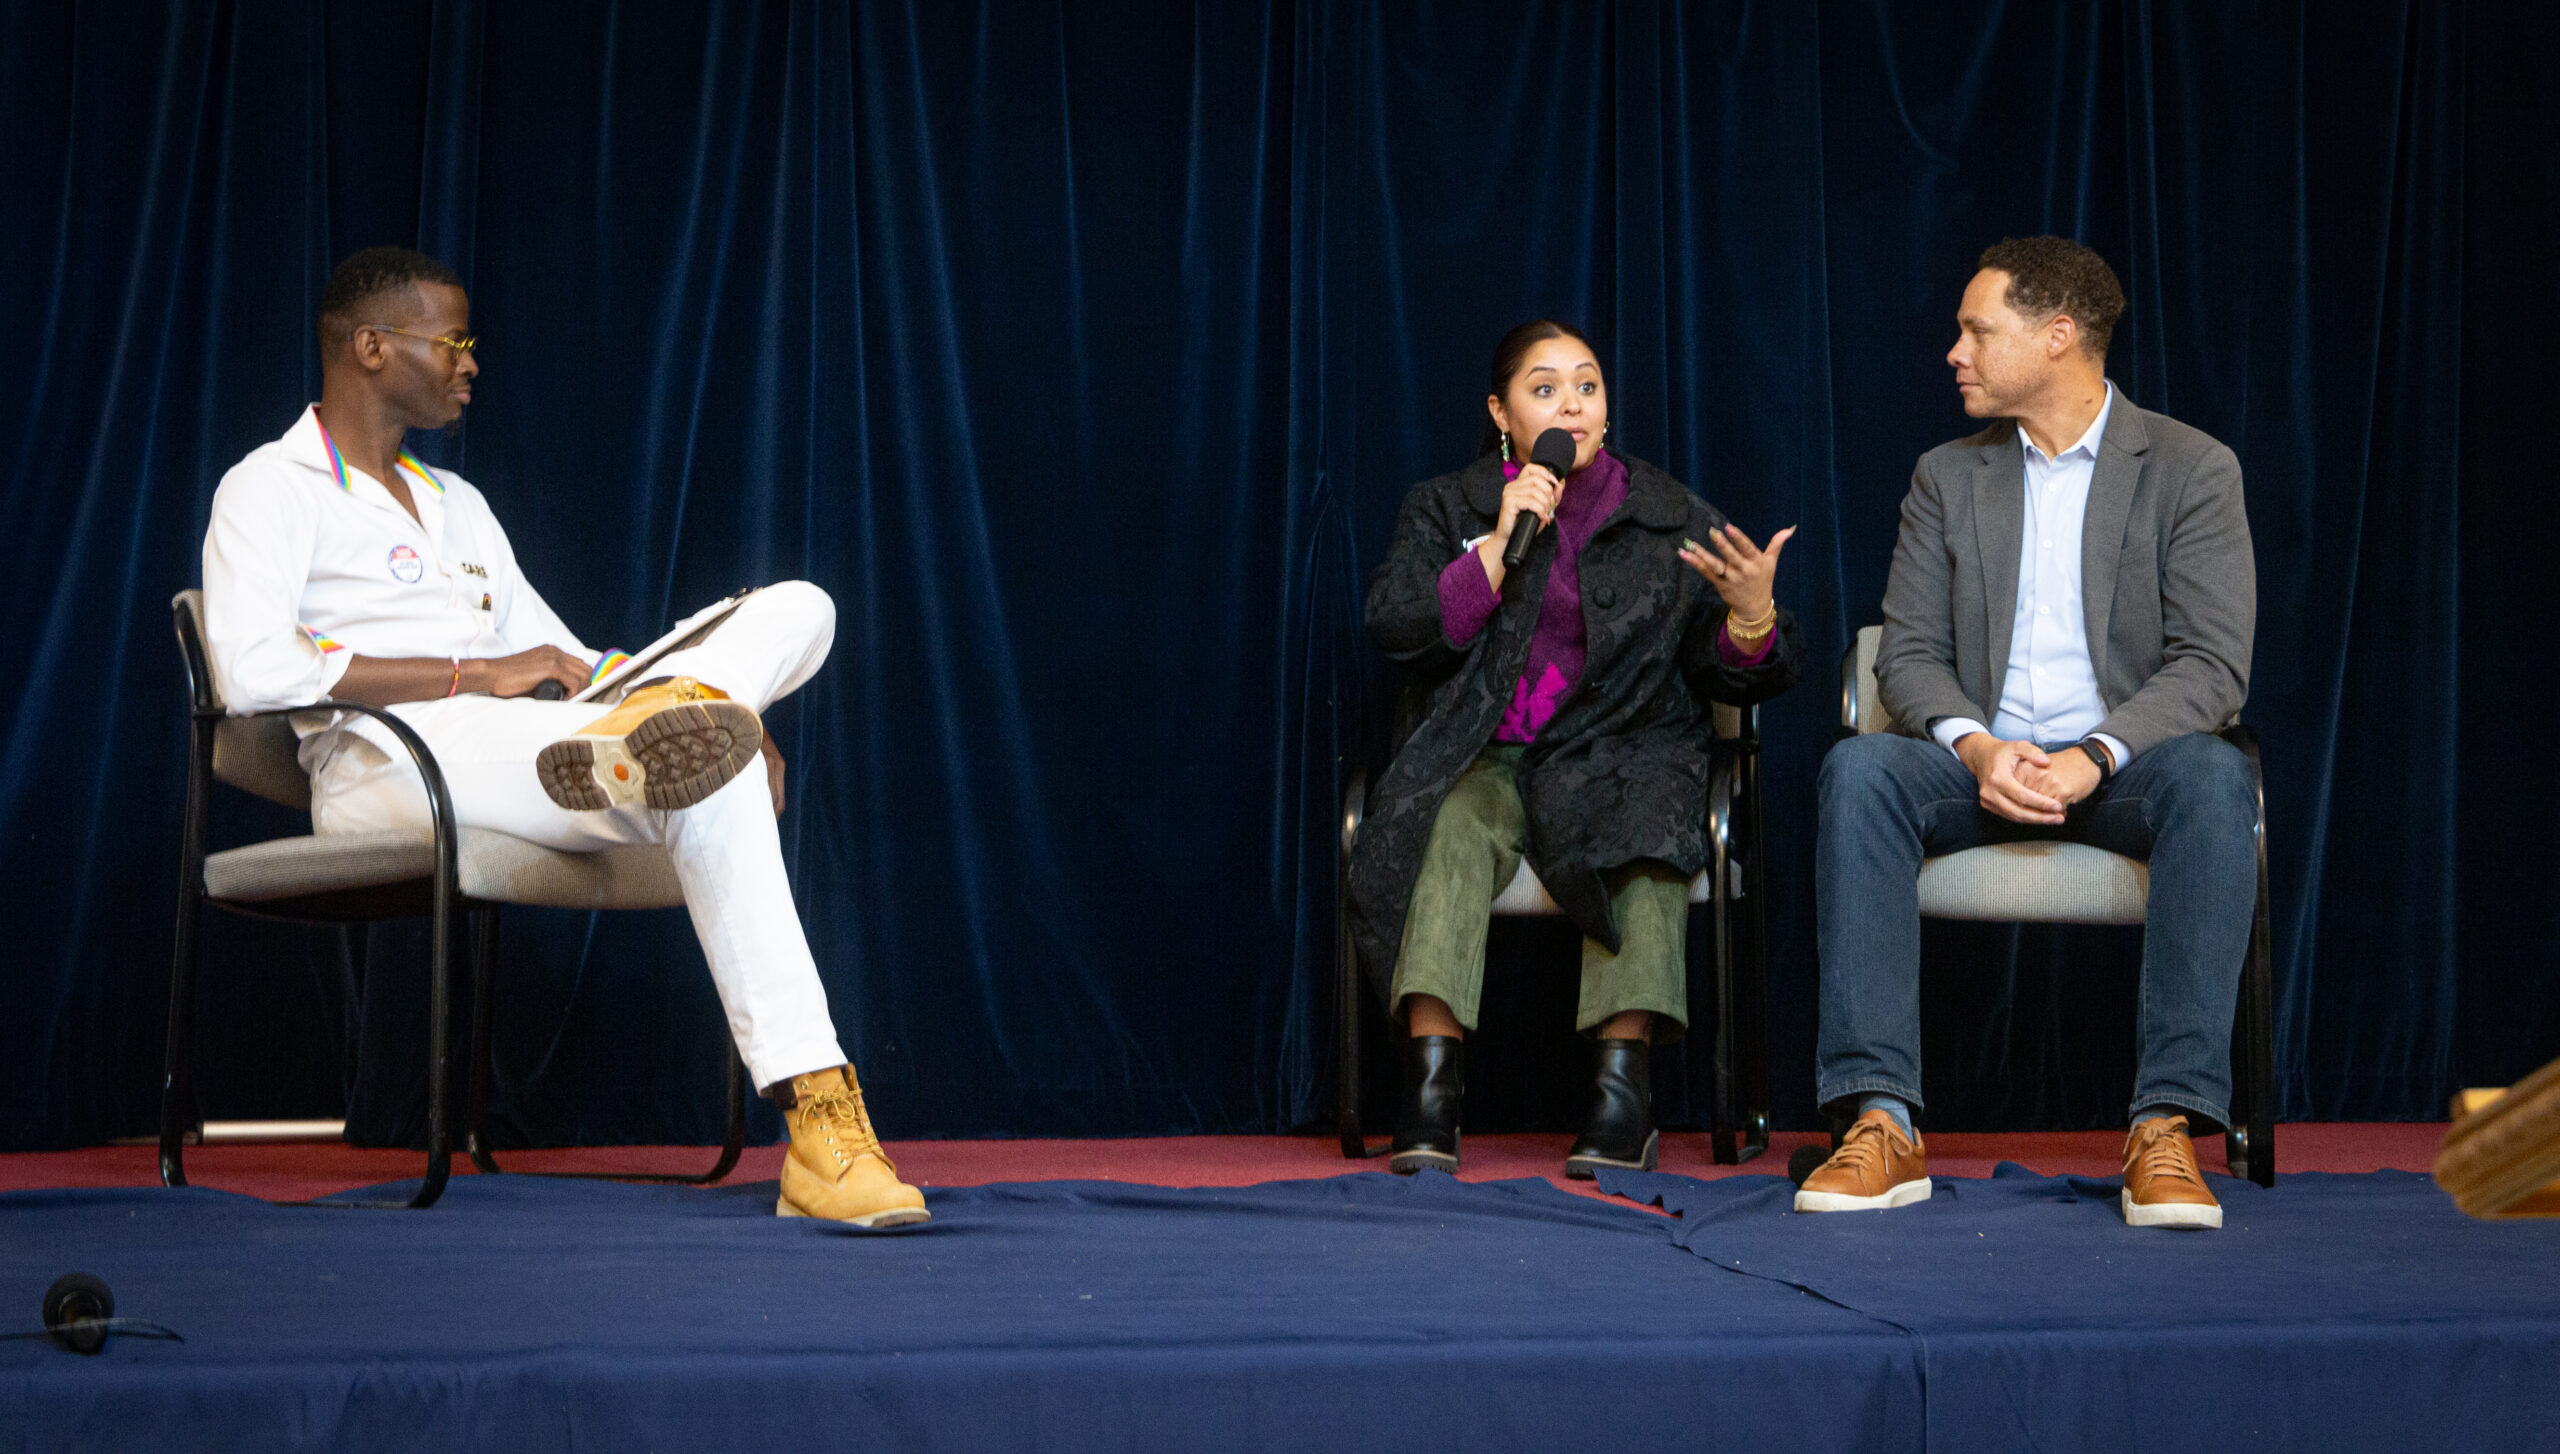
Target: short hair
x=2051 y=276
x=368 y=275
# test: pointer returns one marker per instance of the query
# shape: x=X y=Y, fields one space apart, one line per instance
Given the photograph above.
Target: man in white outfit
x=338 y=565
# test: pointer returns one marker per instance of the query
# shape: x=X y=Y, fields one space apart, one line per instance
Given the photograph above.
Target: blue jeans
x=2189 y=806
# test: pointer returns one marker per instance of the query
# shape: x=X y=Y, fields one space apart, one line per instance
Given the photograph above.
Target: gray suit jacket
x=2169 y=586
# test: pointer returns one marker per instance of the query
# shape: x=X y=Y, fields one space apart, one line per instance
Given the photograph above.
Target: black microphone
x=1554 y=449
x=548 y=690
x=77 y=1310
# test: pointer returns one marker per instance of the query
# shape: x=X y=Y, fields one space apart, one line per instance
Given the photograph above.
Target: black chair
x=354 y=878
x=2044 y=882
x=1730 y=890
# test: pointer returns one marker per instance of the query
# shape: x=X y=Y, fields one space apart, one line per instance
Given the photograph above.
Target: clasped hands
x=2022 y=782
x=1744 y=574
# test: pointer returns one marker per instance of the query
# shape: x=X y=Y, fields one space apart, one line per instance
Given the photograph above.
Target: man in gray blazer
x=2068 y=620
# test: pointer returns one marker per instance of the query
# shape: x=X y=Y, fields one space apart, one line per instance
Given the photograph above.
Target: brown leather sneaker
x=1876 y=1168
x=2162 y=1187
x=836 y=1169
x=669 y=745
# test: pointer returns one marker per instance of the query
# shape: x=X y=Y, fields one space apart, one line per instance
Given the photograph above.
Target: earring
x=1506 y=449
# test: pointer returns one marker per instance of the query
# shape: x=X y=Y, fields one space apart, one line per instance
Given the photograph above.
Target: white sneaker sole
x=893 y=1217
x=2169 y=1214
x=1902 y=1195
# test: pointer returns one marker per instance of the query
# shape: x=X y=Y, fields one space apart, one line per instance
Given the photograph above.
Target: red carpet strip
x=296 y=1172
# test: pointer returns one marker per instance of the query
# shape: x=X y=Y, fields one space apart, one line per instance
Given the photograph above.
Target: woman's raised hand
x=1744 y=574
x=1535 y=490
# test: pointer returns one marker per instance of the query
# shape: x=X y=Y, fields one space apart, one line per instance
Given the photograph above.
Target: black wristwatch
x=2098 y=754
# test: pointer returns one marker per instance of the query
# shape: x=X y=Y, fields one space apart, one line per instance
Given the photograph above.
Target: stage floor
x=1337 y=1310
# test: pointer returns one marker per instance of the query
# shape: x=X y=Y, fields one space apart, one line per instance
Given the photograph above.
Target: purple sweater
x=1559 y=645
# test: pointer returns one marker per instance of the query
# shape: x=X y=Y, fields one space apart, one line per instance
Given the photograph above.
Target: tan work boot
x=836 y=1169
x=669 y=745
x=1876 y=1168
x=2162 y=1187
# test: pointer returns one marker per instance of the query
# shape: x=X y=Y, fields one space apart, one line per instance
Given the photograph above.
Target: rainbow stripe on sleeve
x=321 y=640
x=606 y=663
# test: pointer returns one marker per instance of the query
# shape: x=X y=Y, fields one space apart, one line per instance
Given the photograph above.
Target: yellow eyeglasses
x=459 y=343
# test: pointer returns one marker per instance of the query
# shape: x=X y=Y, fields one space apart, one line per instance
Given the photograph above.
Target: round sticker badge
x=405 y=565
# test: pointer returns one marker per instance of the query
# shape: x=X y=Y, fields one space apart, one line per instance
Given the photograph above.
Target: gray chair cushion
x=1525 y=897
x=496 y=868
x=2036 y=883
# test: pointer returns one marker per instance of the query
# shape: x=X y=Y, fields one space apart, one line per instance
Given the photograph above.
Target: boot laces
x=2162 y=1153
x=837 y=1115
x=1863 y=1151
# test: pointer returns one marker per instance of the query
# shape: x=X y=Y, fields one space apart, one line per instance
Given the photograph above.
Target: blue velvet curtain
x=1084 y=353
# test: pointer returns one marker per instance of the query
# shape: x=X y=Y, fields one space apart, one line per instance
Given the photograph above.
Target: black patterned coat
x=1619 y=773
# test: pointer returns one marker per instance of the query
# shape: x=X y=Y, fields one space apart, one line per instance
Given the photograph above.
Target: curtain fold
x=1084 y=357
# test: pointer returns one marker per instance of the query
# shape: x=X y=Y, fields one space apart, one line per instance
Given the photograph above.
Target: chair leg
x=484 y=1018
x=177 y=1077
x=1347 y=1027
x=484 y=956
x=2257 y=990
x=1751 y=960
x=1721 y=1137
x=439 y=1056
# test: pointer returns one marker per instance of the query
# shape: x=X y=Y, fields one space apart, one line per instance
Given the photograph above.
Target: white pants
x=726 y=850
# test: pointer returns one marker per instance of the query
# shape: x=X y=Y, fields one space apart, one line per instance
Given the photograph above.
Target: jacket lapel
x=1999 y=522
x=2102 y=523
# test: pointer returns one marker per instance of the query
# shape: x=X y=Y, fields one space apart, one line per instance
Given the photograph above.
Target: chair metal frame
x=438 y=896
x=2249 y=1143
x=1739 y=1073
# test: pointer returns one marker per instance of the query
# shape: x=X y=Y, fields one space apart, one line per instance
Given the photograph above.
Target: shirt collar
x=308 y=443
x=2089 y=440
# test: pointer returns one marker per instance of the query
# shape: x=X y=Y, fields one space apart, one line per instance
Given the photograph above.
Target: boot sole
x=1901 y=1195
x=2188 y=1215
x=1406 y=1163
x=893 y=1217
x=1586 y=1167
x=677 y=756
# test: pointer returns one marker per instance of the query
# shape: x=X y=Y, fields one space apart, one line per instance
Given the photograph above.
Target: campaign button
x=406 y=568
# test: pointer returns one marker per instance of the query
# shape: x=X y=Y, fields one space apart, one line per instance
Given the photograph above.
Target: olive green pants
x=1475 y=849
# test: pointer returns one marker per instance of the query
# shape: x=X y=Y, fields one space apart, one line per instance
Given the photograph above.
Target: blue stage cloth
x=1361 y=1312
x=1355 y=1313
x=2330 y=1313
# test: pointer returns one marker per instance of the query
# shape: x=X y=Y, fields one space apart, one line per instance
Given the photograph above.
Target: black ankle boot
x=1435 y=1081
x=1619 y=1132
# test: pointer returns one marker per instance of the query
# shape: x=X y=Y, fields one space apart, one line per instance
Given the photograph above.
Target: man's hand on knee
x=2003 y=770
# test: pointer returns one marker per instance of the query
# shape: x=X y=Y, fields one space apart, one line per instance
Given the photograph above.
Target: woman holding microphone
x=1562 y=708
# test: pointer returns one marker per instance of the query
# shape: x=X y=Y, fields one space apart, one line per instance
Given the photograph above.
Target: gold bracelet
x=1753 y=628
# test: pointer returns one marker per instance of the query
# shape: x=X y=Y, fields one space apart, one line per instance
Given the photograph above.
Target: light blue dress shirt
x=2051 y=691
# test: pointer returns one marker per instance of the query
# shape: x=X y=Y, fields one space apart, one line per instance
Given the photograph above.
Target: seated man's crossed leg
x=724 y=845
